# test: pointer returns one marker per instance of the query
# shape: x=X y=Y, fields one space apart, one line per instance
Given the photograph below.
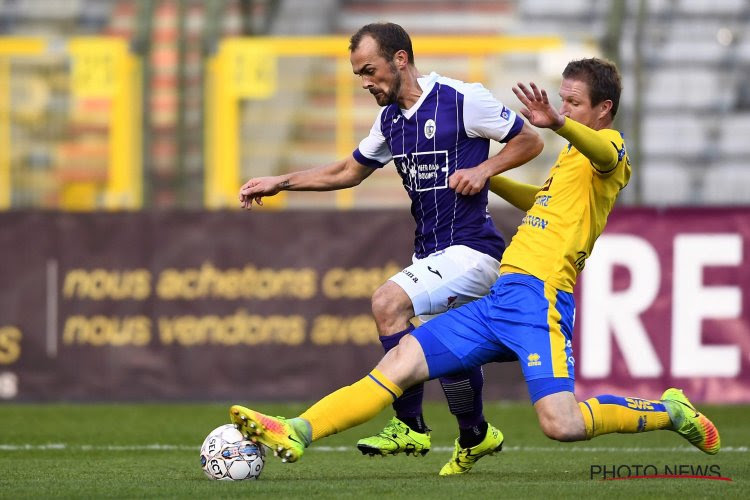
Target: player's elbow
x=536 y=143
x=529 y=141
x=355 y=181
x=352 y=174
x=608 y=165
x=343 y=181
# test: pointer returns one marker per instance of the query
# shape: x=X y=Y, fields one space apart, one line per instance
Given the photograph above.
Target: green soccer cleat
x=395 y=438
x=463 y=459
x=275 y=432
x=690 y=424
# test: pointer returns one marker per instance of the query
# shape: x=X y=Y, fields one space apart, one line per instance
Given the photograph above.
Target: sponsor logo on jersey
x=542 y=200
x=534 y=221
x=423 y=171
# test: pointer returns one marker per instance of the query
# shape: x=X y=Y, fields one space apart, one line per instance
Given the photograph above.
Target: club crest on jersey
x=429 y=129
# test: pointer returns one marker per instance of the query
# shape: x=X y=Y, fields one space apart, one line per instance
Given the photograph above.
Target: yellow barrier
x=246 y=68
x=10 y=46
x=102 y=70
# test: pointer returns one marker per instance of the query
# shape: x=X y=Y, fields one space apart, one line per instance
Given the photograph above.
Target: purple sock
x=409 y=406
x=391 y=341
x=464 y=395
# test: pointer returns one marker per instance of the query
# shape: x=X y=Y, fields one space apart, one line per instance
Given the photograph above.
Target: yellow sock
x=351 y=405
x=607 y=414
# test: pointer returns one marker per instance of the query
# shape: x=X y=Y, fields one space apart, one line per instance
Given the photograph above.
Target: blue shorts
x=523 y=319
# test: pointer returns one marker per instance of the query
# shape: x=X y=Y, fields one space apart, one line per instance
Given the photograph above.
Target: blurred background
x=127 y=127
x=113 y=104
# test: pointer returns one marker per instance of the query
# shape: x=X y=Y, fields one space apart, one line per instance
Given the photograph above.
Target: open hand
x=538 y=110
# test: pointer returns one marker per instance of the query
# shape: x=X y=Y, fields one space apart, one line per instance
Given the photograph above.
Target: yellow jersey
x=569 y=213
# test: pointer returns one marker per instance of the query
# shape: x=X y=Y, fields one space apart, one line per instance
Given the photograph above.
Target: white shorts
x=447 y=279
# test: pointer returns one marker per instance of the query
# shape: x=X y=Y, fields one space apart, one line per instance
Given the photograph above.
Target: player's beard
x=384 y=99
x=392 y=96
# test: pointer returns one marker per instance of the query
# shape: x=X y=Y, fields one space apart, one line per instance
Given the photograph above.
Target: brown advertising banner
x=664 y=301
x=202 y=305
x=275 y=305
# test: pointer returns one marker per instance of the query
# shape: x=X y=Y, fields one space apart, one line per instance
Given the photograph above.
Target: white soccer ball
x=227 y=456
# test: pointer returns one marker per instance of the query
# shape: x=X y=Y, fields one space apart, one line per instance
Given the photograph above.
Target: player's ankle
x=416 y=423
x=471 y=436
x=303 y=429
x=674 y=412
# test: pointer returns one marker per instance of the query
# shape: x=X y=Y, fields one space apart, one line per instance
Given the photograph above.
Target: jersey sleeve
x=485 y=116
x=617 y=145
x=373 y=150
x=604 y=148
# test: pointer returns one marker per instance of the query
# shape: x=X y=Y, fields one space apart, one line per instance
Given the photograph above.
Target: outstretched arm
x=591 y=144
x=340 y=174
x=518 y=194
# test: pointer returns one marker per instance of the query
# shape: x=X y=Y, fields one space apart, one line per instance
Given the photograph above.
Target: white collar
x=425 y=83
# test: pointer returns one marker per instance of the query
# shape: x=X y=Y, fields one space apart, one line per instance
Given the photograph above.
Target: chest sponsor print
x=424 y=171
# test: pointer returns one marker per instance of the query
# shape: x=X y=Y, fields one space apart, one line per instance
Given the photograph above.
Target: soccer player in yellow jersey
x=528 y=314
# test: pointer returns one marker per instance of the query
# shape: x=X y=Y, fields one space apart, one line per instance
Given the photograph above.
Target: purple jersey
x=447 y=129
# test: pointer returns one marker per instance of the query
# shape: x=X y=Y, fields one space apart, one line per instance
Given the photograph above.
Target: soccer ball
x=227 y=456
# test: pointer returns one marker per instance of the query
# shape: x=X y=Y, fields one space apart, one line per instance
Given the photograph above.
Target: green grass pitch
x=151 y=451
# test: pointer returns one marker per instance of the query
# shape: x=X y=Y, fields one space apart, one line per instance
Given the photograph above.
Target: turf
x=151 y=451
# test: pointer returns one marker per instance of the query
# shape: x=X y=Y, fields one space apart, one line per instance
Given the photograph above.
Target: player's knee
x=382 y=309
x=405 y=364
x=388 y=310
x=396 y=371
x=379 y=303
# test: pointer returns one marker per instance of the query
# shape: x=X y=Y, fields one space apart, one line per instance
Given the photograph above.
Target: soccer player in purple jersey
x=437 y=131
